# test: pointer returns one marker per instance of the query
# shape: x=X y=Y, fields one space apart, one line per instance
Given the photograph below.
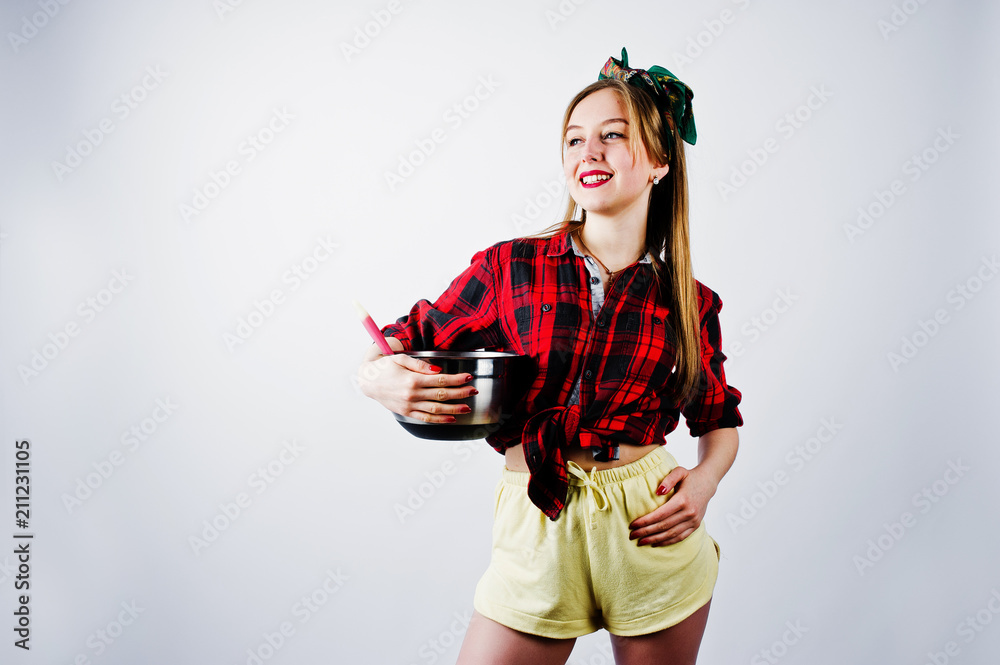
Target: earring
x=656 y=181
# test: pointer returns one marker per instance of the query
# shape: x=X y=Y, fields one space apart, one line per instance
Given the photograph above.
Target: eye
x=617 y=135
x=572 y=142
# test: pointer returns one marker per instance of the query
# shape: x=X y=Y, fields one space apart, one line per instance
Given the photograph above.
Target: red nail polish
x=475 y=392
x=661 y=490
x=435 y=368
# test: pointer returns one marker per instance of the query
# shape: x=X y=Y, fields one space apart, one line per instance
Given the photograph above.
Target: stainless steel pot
x=501 y=379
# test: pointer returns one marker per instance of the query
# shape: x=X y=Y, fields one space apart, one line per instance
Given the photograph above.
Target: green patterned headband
x=669 y=93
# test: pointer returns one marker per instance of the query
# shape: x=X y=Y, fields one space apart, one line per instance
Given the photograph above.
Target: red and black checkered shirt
x=531 y=296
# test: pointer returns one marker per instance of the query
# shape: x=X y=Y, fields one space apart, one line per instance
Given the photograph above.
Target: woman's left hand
x=676 y=519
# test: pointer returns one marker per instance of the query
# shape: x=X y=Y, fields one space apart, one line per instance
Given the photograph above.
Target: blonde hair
x=667 y=235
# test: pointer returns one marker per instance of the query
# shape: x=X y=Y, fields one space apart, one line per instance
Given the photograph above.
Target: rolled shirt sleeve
x=715 y=404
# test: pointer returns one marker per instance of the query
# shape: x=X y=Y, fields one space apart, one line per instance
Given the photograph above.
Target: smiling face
x=602 y=174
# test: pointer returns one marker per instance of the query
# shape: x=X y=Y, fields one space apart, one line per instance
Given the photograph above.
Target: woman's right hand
x=410 y=387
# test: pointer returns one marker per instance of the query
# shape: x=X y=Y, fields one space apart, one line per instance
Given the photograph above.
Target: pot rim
x=461 y=355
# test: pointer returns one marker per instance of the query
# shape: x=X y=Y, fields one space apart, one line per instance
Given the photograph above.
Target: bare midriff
x=627 y=454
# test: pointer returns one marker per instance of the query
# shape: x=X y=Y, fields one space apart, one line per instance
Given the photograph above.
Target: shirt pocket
x=549 y=329
x=648 y=352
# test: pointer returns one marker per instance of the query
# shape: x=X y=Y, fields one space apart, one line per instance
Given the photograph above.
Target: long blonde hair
x=667 y=235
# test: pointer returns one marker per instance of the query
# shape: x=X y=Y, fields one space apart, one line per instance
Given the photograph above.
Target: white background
x=822 y=542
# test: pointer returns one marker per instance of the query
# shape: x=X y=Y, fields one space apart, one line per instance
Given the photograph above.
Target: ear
x=661 y=171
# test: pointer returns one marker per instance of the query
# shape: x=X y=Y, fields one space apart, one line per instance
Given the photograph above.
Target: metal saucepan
x=500 y=378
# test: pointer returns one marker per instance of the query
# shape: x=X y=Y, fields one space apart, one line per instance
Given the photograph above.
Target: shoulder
x=528 y=247
x=709 y=301
x=521 y=249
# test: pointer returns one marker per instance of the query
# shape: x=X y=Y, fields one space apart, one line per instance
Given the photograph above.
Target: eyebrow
x=606 y=122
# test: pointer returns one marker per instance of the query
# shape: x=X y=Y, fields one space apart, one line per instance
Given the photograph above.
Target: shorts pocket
x=497 y=496
x=640 y=491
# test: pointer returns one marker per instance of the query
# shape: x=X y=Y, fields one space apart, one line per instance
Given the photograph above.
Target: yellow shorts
x=580 y=572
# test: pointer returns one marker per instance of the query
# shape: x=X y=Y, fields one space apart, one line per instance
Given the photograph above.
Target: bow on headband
x=670 y=93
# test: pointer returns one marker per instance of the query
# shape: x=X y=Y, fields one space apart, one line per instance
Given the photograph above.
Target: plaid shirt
x=532 y=296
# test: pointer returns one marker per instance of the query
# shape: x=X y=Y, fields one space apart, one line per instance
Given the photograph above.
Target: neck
x=616 y=242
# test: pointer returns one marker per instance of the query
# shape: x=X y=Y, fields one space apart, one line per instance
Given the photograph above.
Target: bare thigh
x=677 y=645
x=490 y=643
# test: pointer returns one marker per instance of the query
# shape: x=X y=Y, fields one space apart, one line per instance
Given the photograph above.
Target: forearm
x=368 y=372
x=374 y=353
x=717 y=452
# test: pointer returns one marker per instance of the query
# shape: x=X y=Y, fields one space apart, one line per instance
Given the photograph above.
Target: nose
x=592 y=153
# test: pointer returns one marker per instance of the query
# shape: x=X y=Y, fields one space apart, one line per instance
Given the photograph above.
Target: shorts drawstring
x=593 y=490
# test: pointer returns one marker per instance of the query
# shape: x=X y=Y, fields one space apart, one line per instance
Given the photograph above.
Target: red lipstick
x=598 y=178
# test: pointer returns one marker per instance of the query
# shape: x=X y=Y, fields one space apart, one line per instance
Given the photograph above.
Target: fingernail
x=451 y=419
x=435 y=368
x=468 y=377
x=466 y=408
x=661 y=490
x=474 y=392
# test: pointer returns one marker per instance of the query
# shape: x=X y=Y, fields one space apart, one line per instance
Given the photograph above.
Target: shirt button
x=594 y=280
x=546 y=307
x=600 y=322
x=588 y=374
x=656 y=320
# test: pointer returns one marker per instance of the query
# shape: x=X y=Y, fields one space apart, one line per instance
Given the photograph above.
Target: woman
x=624 y=340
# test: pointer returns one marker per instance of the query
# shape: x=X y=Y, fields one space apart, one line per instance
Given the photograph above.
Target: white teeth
x=591 y=179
